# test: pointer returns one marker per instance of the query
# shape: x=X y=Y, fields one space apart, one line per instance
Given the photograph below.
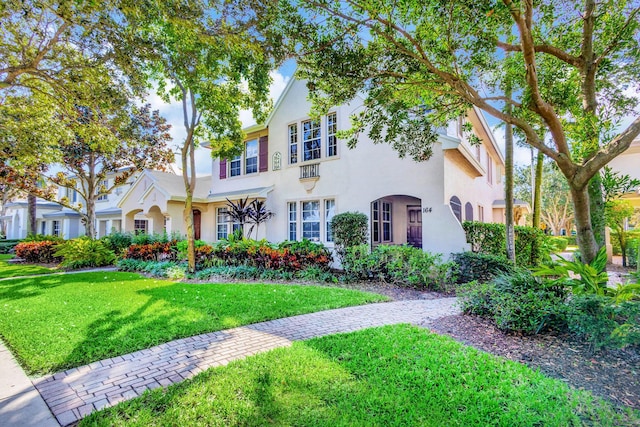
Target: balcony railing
x=310 y=171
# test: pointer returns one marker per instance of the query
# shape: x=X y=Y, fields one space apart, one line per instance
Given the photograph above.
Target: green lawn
x=62 y=321
x=392 y=376
x=15 y=270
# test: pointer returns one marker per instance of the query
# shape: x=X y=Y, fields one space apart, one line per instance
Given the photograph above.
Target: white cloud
x=173 y=113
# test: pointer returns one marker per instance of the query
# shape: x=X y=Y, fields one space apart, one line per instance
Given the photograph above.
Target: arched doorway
x=197 y=223
x=396 y=220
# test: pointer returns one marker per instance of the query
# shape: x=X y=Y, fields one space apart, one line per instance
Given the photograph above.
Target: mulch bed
x=613 y=375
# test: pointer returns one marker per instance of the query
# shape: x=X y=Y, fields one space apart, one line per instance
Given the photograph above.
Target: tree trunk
x=596 y=204
x=90 y=220
x=508 y=188
x=537 y=190
x=31 y=212
x=188 y=221
x=586 y=239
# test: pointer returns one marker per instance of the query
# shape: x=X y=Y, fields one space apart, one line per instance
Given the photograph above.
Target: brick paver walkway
x=73 y=394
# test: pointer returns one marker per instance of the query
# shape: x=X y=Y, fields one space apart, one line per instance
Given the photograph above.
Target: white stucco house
x=53 y=219
x=628 y=163
x=306 y=175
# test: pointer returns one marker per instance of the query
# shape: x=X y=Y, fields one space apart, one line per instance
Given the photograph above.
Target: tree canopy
x=570 y=67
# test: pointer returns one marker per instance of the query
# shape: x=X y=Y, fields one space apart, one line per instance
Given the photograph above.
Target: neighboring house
x=628 y=163
x=306 y=176
x=53 y=219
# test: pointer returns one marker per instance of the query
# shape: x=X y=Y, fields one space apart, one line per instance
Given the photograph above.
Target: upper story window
x=236 y=166
x=332 y=128
x=311 y=140
x=251 y=157
x=293 y=144
x=102 y=184
x=489 y=169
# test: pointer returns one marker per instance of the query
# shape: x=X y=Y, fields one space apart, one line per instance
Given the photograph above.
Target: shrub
x=176 y=272
x=240 y=272
x=8 y=246
x=403 y=265
x=84 y=252
x=349 y=229
x=152 y=251
x=37 y=251
x=559 y=243
x=601 y=323
x=472 y=266
x=118 y=242
x=153 y=268
x=489 y=238
x=43 y=238
x=516 y=302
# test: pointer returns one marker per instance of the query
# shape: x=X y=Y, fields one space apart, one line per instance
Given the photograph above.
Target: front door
x=414 y=226
x=197 y=218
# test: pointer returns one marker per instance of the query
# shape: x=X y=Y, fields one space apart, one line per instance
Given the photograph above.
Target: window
x=468 y=211
x=102 y=185
x=293 y=221
x=251 y=157
x=314 y=220
x=456 y=207
x=332 y=142
x=222 y=223
x=311 y=140
x=381 y=222
x=43 y=227
x=489 y=169
x=311 y=220
x=375 y=221
x=480 y=213
x=56 y=228
x=329 y=211
x=293 y=143
x=236 y=166
x=386 y=222
x=140 y=226
x=72 y=195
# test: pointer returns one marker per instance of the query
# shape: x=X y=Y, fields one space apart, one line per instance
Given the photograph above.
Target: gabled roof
x=170 y=185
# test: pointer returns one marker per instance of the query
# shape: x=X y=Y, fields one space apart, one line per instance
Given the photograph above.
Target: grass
x=391 y=376
x=15 y=270
x=58 y=322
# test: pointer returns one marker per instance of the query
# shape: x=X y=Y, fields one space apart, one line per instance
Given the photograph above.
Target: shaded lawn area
x=15 y=270
x=58 y=322
x=392 y=376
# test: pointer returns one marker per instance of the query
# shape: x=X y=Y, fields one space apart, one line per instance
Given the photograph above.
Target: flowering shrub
x=37 y=252
x=288 y=256
x=156 y=251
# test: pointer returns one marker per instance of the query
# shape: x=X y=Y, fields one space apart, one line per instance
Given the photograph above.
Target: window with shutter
x=223 y=168
x=264 y=154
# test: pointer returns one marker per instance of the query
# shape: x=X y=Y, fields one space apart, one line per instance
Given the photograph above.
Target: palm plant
x=258 y=213
x=239 y=211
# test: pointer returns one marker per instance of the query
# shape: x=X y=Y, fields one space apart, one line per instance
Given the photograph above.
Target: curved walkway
x=73 y=394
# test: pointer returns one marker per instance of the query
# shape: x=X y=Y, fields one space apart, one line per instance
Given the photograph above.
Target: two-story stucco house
x=628 y=163
x=306 y=175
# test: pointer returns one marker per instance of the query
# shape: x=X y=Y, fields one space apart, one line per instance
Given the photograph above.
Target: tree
x=556 y=211
x=422 y=63
x=215 y=59
x=616 y=213
x=137 y=139
x=258 y=213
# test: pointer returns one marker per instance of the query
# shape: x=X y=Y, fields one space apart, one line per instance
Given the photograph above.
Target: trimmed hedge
x=490 y=238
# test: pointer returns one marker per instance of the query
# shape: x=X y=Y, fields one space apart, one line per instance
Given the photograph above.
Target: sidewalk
x=73 y=394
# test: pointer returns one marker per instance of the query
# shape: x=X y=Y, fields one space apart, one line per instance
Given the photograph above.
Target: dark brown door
x=414 y=226
x=197 y=220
